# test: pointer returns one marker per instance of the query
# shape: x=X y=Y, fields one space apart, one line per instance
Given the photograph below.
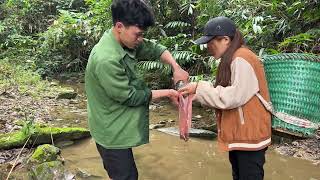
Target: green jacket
x=118 y=99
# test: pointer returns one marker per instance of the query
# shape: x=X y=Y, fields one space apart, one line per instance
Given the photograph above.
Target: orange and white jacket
x=243 y=122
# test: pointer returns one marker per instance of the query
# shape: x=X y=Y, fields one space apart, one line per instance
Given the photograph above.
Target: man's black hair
x=132 y=13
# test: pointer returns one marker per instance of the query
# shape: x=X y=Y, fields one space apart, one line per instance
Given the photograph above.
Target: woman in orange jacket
x=244 y=125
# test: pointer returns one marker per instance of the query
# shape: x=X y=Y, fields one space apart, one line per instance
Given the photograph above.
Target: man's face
x=131 y=36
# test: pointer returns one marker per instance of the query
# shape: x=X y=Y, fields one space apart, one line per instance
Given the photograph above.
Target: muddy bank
x=17 y=108
x=308 y=149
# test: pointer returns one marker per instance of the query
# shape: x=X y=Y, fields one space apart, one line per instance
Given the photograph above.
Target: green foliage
x=153 y=65
x=187 y=6
x=66 y=45
x=23 y=20
x=100 y=13
x=297 y=42
x=25 y=81
x=265 y=24
x=36 y=15
x=28 y=128
x=177 y=24
x=184 y=57
x=56 y=36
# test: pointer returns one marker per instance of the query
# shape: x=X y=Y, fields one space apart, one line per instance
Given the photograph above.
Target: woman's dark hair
x=224 y=69
x=132 y=13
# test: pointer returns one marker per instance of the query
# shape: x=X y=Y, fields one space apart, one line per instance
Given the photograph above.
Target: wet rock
x=2 y=160
x=316 y=163
x=62 y=144
x=194 y=120
x=50 y=171
x=53 y=83
x=162 y=122
x=85 y=175
x=211 y=127
x=82 y=173
x=152 y=107
x=171 y=121
x=299 y=154
x=44 y=153
x=156 y=126
x=198 y=116
x=193 y=132
x=295 y=143
x=67 y=94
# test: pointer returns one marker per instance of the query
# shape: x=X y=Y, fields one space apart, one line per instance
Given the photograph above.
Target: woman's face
x=218 y=46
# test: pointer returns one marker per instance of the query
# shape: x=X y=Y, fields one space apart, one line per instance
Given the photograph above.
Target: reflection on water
x=167 y=157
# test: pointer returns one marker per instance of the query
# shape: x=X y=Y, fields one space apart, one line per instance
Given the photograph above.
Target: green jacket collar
x=109 y=36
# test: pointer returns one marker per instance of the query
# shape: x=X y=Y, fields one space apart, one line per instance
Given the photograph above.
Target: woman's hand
x=189 y=88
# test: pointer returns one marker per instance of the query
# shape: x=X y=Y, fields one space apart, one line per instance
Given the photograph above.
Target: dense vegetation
x=56 y=36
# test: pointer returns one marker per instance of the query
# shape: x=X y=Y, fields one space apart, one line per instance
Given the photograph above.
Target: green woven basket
x=294 y=86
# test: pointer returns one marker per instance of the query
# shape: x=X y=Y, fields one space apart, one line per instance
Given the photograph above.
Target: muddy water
x=167 y=157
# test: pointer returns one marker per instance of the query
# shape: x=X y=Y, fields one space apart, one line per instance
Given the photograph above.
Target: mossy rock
x=42 y=135
x=50 y=171
x=12 y=140
x=45 y=153
x=67 y=94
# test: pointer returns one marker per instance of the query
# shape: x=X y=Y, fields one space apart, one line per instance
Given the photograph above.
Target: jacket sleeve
x=149 y=50
x=244 y=85
x=113 y=79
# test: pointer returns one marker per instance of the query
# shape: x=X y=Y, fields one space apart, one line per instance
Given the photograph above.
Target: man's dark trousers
x=119 y=163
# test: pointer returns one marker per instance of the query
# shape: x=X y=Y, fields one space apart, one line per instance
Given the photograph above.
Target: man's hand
x=172 y=94
x=180 y=74
x=174 y=97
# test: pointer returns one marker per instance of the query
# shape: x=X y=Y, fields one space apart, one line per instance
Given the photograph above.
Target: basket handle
x=304 y=123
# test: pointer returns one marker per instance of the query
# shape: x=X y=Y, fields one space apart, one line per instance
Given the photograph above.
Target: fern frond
x=150 y=65
x=177 y=24
x=184 y=57
x=154 y=65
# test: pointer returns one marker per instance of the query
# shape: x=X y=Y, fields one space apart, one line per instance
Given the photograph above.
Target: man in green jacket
x=118 y=99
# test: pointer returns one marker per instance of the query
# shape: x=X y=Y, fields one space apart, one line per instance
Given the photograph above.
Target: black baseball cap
x=218 y=26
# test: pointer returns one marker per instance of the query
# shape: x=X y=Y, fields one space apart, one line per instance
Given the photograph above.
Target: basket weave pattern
x=294 y=85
